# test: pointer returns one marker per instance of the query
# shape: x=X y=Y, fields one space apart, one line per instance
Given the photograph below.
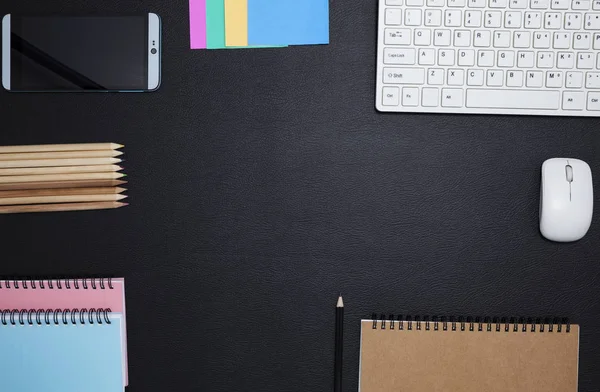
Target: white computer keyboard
x=535 y=57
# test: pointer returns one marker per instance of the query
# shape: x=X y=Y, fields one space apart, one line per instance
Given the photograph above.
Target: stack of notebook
x=63 y=335
x=220 y=24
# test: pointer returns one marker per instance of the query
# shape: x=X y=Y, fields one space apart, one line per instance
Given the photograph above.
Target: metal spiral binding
x=470 y=324
x=95 y=283
x=54 y=316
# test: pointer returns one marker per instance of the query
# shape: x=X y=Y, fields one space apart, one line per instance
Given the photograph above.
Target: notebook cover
x=62 y=358
x=68 y=294
x=468 y=361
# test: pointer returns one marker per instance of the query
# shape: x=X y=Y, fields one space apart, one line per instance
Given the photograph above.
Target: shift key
x=403 y=75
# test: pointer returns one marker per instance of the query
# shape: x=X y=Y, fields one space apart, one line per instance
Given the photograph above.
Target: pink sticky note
x=68 y=295
x=198 y=24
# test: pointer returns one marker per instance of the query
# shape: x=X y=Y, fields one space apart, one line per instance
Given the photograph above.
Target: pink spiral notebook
x=96 y=293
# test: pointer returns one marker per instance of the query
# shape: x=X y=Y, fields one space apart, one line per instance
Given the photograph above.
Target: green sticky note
x=215 y=27
x=215 y=24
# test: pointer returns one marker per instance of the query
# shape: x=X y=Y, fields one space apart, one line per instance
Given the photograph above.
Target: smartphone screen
x=60 y=53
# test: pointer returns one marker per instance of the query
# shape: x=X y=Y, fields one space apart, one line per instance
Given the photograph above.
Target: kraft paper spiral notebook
x=96 y=293
x=61 y=351
x=468 y=355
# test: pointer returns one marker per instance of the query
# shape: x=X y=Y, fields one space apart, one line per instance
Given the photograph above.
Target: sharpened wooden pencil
x=60 y=162
x=339 y=345
x=22 y=156
x=29 y=171
x=107 y=190
x=61 y=184
x=60 y=147
x=12 y=201
x=62 y=177
x=61 y=207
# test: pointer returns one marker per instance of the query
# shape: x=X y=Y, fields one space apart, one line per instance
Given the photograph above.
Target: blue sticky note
x=67 y=357
x=288 y=22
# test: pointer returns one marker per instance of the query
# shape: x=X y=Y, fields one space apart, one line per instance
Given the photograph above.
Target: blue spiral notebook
x=61 y=351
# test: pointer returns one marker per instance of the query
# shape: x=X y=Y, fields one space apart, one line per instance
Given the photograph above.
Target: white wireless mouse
x=566 y=199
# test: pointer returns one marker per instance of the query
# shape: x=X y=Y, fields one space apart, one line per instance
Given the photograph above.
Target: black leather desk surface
x=263 y=183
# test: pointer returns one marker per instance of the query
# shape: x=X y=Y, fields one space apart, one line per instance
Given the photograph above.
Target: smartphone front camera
x=154 y=51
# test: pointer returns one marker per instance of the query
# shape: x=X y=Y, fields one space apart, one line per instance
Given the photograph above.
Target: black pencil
x=339 y=344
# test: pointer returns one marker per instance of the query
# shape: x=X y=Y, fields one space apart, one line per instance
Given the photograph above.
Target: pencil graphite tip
x=340 y=302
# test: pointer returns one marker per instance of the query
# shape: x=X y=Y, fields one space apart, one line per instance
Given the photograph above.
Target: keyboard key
x=393 y=16
x=565 y=60
x=512 y=19
x=413 y=17
x=422 y=37
x=485 y=58
x=502 y=39
x=518 y=4
x=506 y=59
x=560 y=4
x=541 y=40
x=453 y=18
x=403 y=75
x=476 y=3
x=391 y=96
x=462 y=38
x=475 y=77
x=513 y=99
x=562 y=40
x=596 y=5
x=495 y=78
x=581 y=5
x=592 y=21
x=433 y=18
x=585 y=60
x=435 y=76
x=473 y=19
x=456 y=77
x=466 y=57
x=397 y=37
x=522 y=39
x=581 y=40
x=574 y=80
x=573 y=100
x=436 y=3
x=593 y=101
x=554 y=79
x=493 y=19
x=426 y=56
x=452 y=97
x=514 y=79
x=545 y=59
x=573 y=21
x=393 y=2
x=482 y=38
x=442 y=37
x=414 y=3
x=534 y=79
x=592 y=80
x=399 y=56
x=498 y=3
x=553 y=20
x=459 y=3
x=446 y=57
x=597 y=41
x=430 y=97
x=540 y=4
x=525 y=59
x=410 y=96
x=533 y=20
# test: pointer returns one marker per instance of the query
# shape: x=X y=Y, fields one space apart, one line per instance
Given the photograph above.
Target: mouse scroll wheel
x=569 y=172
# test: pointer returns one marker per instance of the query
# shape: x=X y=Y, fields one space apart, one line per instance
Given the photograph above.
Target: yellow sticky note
x=236 y=22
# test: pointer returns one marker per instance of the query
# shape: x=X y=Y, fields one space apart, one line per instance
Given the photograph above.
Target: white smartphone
x=81 y=53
